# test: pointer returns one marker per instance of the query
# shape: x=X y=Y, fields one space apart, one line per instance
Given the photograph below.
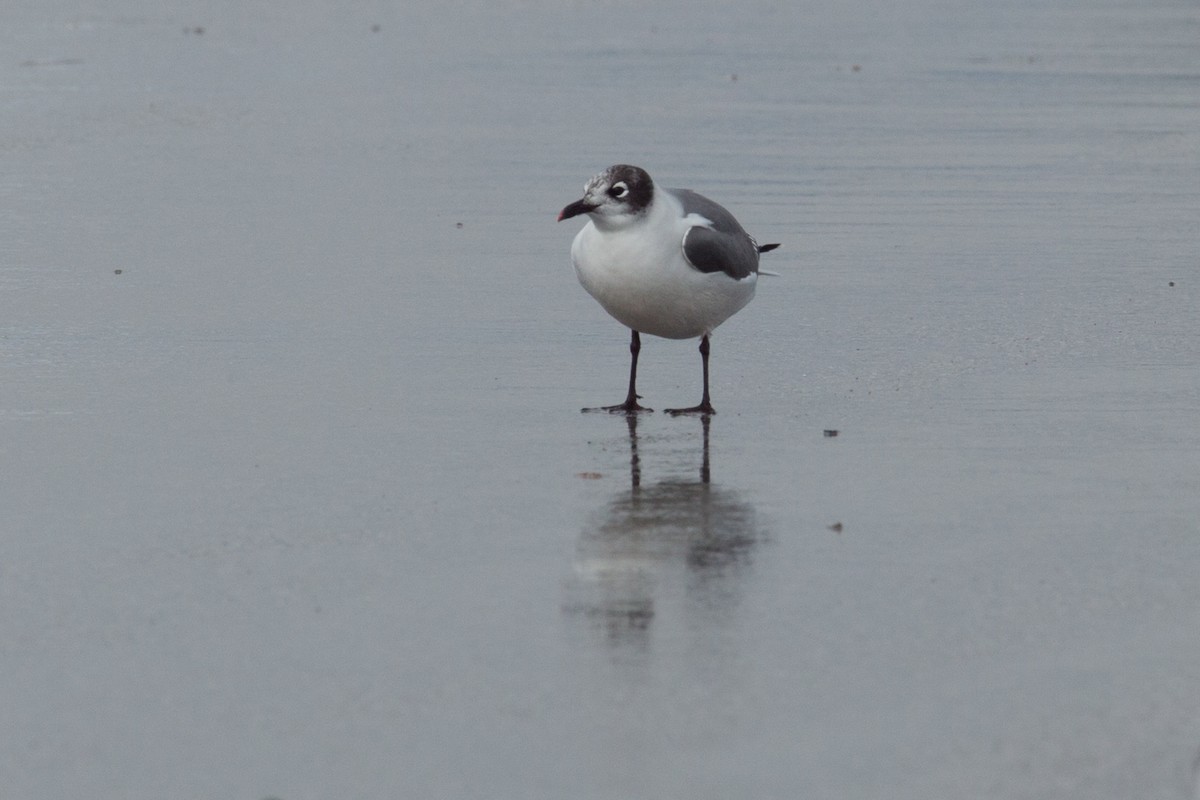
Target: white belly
x=654 y=290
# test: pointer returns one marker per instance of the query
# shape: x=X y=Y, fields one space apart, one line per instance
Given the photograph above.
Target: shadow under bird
x=667 y=262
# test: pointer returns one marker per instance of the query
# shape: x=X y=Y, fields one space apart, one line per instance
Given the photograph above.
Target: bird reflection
x=676 y=538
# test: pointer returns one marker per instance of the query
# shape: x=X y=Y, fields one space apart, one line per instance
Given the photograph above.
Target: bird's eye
x=619 y=190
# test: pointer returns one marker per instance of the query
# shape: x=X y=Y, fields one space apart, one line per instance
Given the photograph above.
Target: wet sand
x=299 y=503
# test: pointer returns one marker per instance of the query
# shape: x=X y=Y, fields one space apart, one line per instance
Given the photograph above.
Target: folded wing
x=720 y=246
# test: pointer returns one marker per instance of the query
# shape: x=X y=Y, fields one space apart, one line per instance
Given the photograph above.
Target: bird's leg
x=630 y=406
x=705 y=406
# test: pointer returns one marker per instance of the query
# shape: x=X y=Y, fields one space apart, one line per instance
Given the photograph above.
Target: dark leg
x=705 y=406
x=630 y=406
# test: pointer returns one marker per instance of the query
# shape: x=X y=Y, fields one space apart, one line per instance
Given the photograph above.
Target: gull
x=667 y=262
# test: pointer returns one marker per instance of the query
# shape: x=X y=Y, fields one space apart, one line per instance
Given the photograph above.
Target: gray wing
x=725 y=247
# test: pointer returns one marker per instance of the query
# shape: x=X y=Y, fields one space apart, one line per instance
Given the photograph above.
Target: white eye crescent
x=619 y=190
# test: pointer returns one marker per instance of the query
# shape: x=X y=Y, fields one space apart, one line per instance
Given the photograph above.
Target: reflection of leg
x=630 y=406
x=705 y=406
x=705 y=473
x=635 y=463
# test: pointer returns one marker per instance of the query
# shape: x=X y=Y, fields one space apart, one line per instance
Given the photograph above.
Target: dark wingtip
x=766 y=248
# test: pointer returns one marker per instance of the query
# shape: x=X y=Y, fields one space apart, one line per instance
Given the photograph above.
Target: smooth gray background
x=300 y=503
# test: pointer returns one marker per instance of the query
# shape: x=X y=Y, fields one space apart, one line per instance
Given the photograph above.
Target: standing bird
x=667 y=262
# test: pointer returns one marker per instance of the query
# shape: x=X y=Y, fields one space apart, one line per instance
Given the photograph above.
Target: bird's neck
x=625 y=222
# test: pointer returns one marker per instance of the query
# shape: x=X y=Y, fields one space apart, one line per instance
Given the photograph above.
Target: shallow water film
x=298 y=501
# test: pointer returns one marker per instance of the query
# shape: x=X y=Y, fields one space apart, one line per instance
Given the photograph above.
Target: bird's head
x=614 y=198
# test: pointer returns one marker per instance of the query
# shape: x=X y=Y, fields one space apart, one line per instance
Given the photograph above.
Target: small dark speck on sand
x=1170 y=283
x=376 y=28
x=117 y=271
x=836 y=527
x=830 y=433
x=198 y=30
x=458 y=225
